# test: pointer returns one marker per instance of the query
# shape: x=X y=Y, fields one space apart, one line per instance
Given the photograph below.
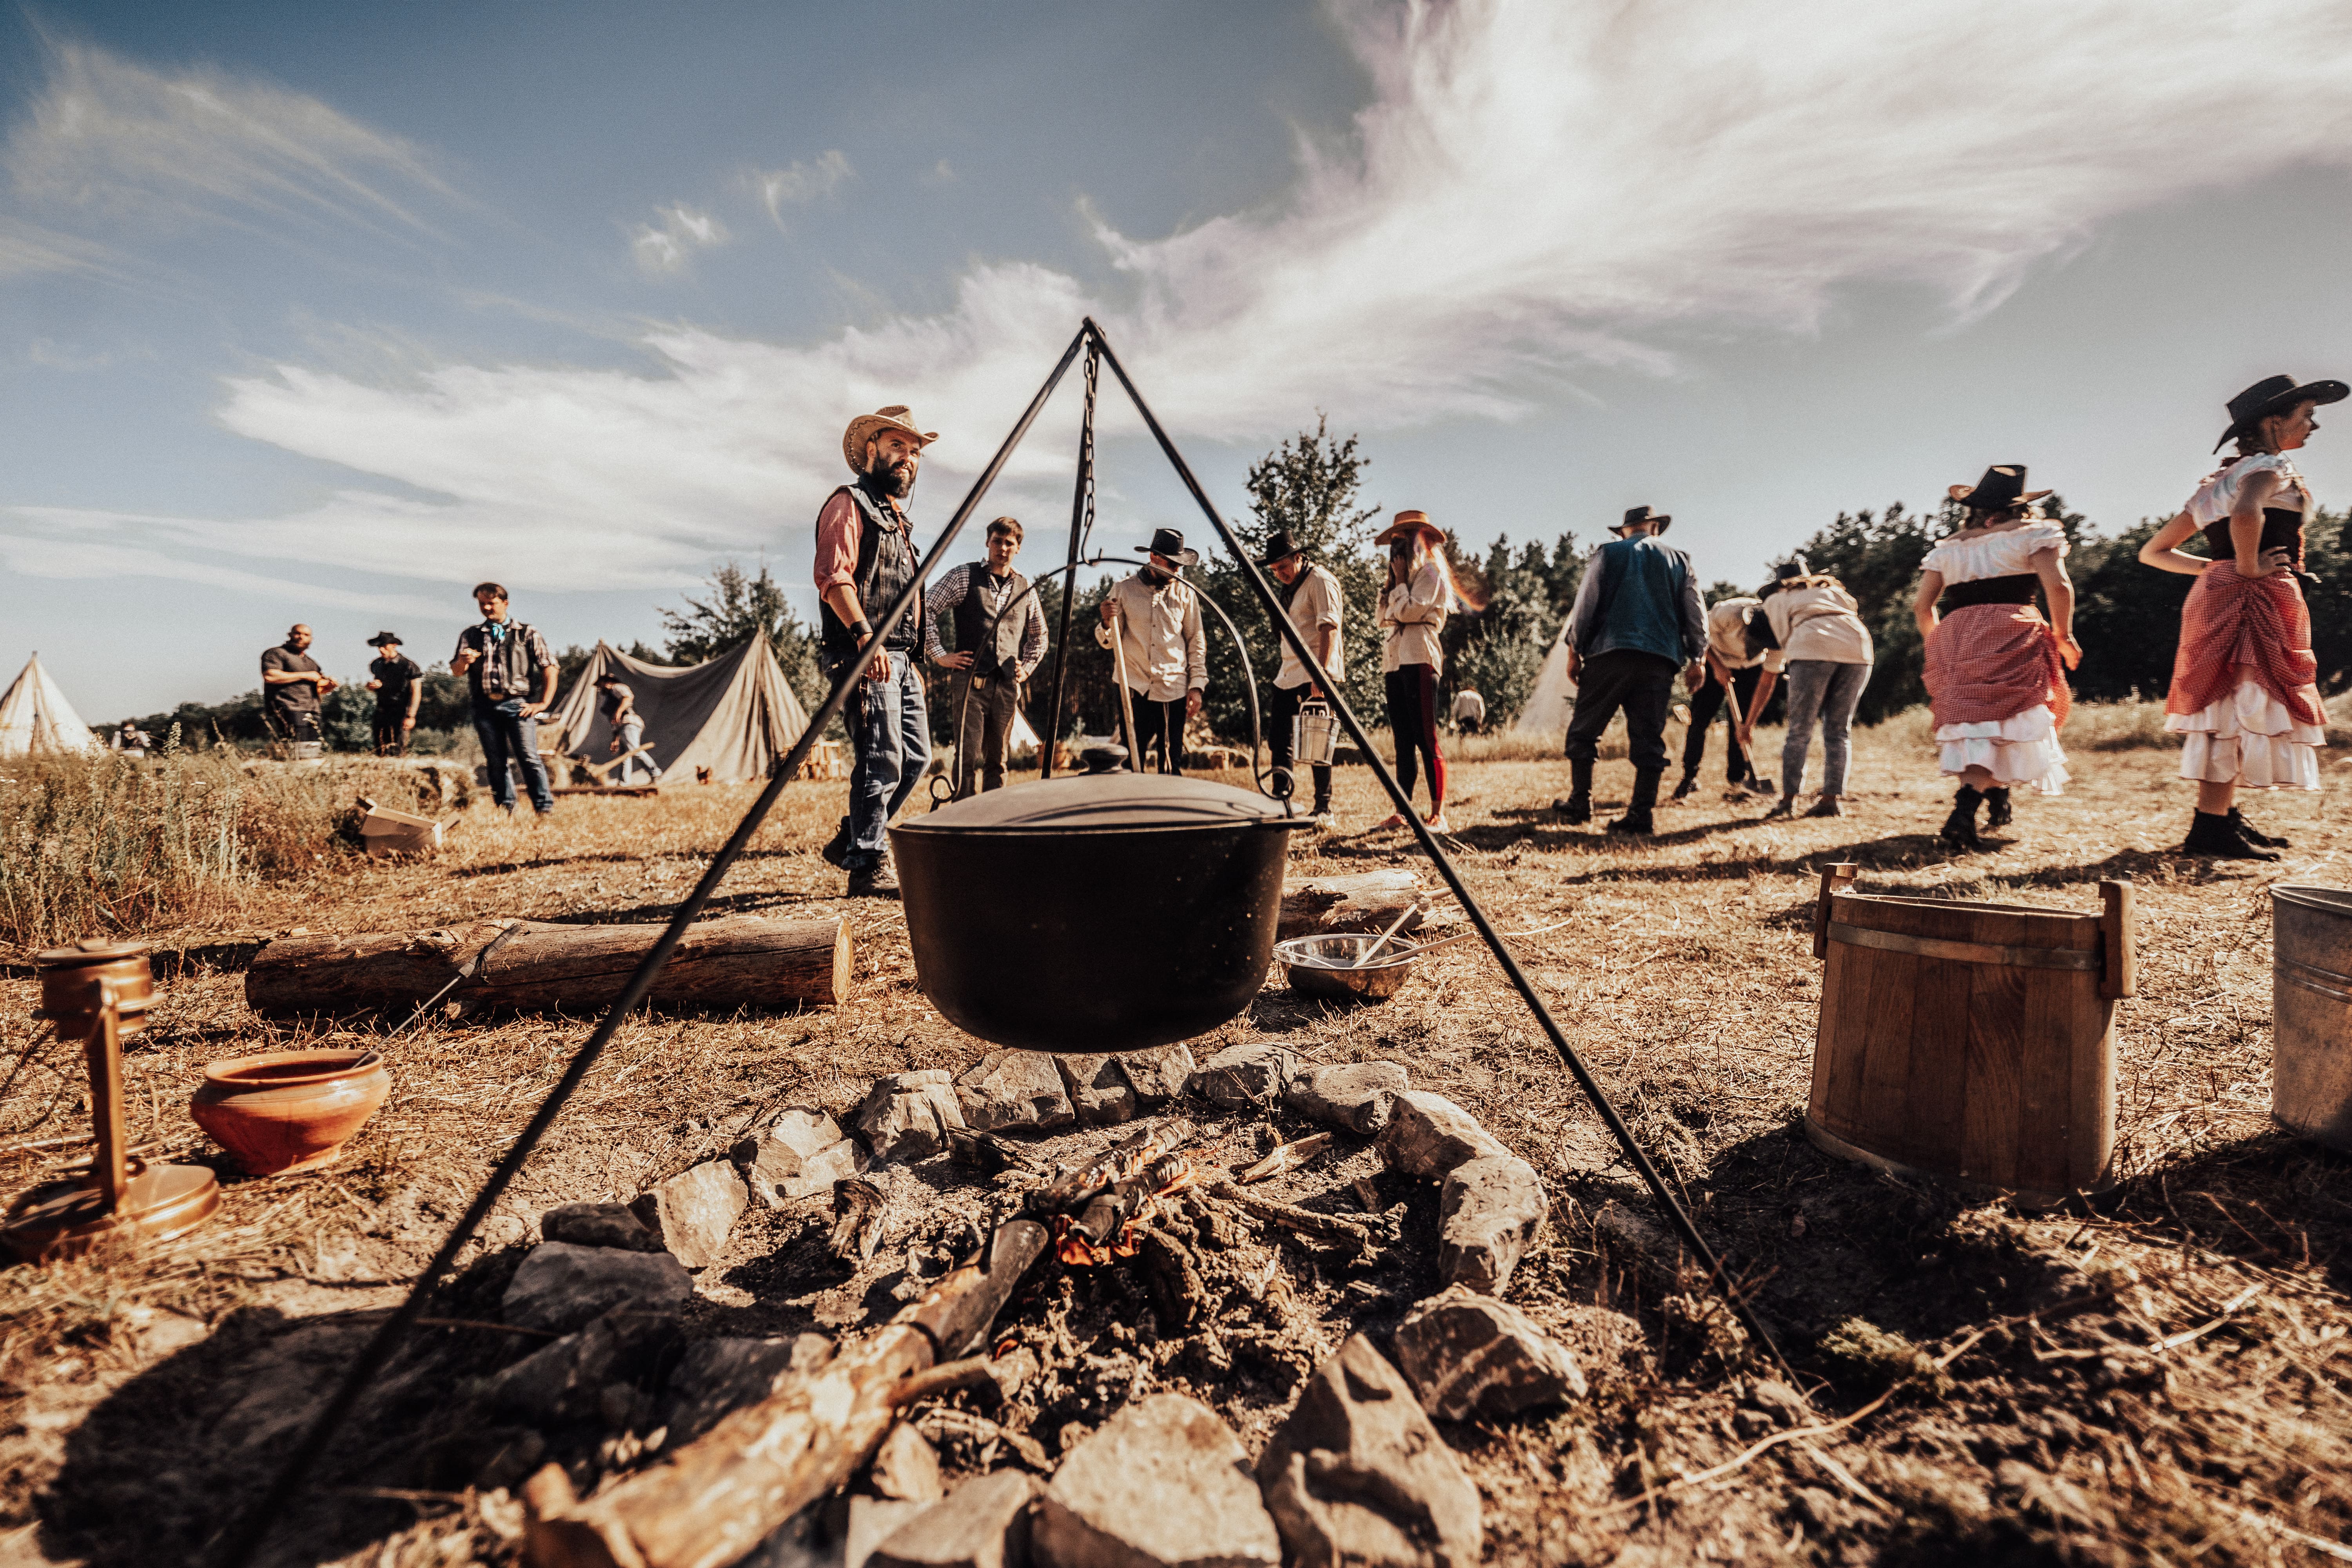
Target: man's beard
x=891 y=480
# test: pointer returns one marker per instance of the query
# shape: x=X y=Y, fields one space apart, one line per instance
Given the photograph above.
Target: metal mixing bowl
x=1317 y=966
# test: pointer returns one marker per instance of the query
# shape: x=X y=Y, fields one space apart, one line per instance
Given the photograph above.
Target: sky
x=326 y=311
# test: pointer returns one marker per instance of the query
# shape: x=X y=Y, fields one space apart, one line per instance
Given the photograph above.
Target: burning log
x=1071 y=1190
x=740 y=960
x=713 y=1501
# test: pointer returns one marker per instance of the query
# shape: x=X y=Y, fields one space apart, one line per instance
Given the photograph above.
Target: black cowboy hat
x=1281 y=547
x=382 y=637
x=1793 y=567
x=2002 y=487
x=1636 y=515
x=1169 y=543
x=2276 y=394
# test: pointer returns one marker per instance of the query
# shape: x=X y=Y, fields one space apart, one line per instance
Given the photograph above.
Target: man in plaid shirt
x=1000 y=636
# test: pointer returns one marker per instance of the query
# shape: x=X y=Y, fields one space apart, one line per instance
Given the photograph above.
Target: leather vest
x=2282 y=530
x=982 y=600
x=885 y=565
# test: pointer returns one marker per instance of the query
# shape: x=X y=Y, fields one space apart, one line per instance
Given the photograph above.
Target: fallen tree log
x=739 y=961
x=1365 y=901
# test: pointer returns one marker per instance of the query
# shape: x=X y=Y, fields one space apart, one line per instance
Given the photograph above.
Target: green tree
x=737 y=607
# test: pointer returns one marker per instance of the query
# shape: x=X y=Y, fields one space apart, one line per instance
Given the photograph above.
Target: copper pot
x=284 y=1112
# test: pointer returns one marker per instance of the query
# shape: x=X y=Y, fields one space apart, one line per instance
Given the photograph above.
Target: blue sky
x=325 y=311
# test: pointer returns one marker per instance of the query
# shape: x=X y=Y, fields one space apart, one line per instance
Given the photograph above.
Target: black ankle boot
x=1687 y=788
x=1637 y=820
x=1960 y=827
x=1577 y=809
x=2247 y=831
x=1998 y=811
x=2213 y=835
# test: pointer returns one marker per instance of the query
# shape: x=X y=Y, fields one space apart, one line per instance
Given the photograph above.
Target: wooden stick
x=1366 y=957
x=1836 y=878
x=2119 y=975
x=1330 y=1226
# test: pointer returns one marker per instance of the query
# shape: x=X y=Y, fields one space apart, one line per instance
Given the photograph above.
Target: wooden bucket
x=1970 y=1043
x=2311 y=1012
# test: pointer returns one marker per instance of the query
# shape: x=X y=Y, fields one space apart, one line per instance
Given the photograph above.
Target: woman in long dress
x=1414 y=605
x=2244 y=697
x=1996 y=670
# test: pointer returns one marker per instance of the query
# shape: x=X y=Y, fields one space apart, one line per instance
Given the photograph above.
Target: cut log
x=1370 y=901
x=740 y=960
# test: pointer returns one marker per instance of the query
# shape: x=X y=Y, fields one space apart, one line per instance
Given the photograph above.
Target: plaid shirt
x=508 y=657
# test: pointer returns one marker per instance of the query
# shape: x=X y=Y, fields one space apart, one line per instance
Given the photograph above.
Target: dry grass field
x=2159 y=1374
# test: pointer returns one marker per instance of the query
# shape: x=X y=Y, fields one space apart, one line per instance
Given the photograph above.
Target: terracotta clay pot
x=289 y=1110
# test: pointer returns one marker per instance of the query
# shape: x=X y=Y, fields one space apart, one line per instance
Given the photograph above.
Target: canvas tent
x=735 y=715
x=35 y=717
x=1554 y=698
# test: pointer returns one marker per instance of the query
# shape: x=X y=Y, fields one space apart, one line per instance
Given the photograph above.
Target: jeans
x=890 y=743
x=1281 y=710
x=1640 y=683
x=1819 y=688
x=506 y=736
x=1710 y=696
x=633 y=735
x=987 y=704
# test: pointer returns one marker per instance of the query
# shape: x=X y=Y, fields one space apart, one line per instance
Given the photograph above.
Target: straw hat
x=2002 y=487
x=866 y=427
x=1405 y=523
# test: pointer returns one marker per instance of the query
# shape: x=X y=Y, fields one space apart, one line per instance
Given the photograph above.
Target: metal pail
x=2311 y=1012
x=1315 y=735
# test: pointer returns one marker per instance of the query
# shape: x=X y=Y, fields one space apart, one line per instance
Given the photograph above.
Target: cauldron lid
x=88 y=951
x=1092 y=803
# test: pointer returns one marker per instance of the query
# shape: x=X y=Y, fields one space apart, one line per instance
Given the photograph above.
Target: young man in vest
x=1165 y=651
x=1637 y=620
x=1000 y=636
x=503 y=660
x=865 y=558
x=1310 y=598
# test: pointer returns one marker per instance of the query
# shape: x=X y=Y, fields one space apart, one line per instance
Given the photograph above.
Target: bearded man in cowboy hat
x=1165 y=649
x=1637 y=620
x=1311 y=599
x=865 y=558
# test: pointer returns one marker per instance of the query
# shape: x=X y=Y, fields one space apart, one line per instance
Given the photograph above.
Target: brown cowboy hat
x=1637 y=515
x=866 y=427
x=2002 y=487
x=1404 y=525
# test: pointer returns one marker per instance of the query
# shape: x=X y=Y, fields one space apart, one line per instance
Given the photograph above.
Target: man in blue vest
x=1637 y=620
x=865 y=558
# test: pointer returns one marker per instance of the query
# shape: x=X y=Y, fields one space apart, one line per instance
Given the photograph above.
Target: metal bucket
x=2311 y=1012
x=1315 y=735
x=309 y=750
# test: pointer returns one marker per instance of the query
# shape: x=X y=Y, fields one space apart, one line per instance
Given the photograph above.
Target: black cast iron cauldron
x=1111 y=911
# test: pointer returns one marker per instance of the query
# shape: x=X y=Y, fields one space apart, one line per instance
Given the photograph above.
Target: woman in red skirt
x=2244 y=694
x=1996 y=670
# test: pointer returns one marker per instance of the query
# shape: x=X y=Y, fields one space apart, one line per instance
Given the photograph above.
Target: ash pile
x=1097 y=1310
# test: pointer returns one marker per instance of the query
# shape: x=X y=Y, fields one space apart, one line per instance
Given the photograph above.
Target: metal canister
x=70 y=978
x=1315 y=735
x=2311 y=1012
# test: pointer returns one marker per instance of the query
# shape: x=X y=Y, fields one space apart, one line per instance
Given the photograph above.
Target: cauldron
x=1111 y=911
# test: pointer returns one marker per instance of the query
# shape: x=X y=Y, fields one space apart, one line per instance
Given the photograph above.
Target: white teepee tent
x=1554 y=698
x=35 y=717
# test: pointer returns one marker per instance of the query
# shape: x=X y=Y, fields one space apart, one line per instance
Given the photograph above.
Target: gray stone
x=566 y=1379
x=1356 y=1474
x=983 y=1523
x=1157 y=1076
x=1470 y=1356
x=1164 y=1484
x=1098 y=1088
x=598 y=1225
x=905 y=1116
x=872 y=1521
x=1354 y=1097
x=1246 y=1078
x=1012 y=1089
x=801 y=1542
x=715 y=1378
x=799 y=1156
x=1487 y=1212
x=694 y=1210
x=1427 y=1135
x=905 y=1467
x=561 y=1287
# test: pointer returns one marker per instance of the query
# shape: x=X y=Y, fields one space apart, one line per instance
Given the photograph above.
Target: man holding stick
x=1310 y=598
x=865 y=558
x=1000 y=636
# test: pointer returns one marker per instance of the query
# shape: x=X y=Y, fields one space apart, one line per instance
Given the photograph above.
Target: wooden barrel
x=2311 y=1012
x=1970 y=1043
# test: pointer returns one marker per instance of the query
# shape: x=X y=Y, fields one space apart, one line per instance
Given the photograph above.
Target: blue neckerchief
x=495 y=630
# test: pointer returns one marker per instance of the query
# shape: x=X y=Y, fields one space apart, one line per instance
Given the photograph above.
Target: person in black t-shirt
x=292 y=684
x=399 y=687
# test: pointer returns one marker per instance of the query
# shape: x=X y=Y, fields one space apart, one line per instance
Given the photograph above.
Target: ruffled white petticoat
x=2021 y=749
x=2248 y=738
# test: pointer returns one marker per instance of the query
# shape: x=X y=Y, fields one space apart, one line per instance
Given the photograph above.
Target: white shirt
x=2219 y=493
x=1814 y=619
x=2006 y=552
x=1167 y=652
x=1316 y=604
x=1726 y=632
x=1413 y=615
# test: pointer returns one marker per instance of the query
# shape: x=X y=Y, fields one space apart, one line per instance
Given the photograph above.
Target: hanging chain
x=1087 y=457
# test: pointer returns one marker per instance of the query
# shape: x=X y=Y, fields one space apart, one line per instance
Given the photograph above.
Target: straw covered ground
x=2160 y=1375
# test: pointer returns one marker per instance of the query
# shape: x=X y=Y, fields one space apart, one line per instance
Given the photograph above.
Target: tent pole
x=244 y=1538
x=1082 y=519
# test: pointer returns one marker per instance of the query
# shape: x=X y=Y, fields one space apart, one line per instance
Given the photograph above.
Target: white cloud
x=1535 y=187
x=108 y=140
x=800 y=182
x=684 y=230
x=81 y=558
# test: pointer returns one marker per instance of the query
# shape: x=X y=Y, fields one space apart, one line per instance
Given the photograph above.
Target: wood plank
x=1935 y=1117
x=1995 y=1069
